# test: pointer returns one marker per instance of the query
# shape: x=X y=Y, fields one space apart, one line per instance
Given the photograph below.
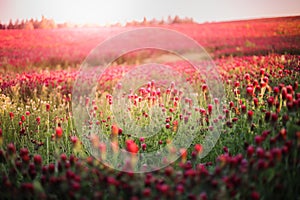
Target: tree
x=10 y=25
x=28 y=25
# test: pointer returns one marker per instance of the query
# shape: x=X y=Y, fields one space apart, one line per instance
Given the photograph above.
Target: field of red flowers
x=257 y=156
x=63 y=47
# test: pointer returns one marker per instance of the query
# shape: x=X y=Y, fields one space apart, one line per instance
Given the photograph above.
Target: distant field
x=19 y=48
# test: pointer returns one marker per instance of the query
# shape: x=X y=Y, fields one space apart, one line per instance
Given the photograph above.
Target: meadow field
x=44 y=155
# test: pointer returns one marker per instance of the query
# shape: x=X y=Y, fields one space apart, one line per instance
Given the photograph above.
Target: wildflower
x=274 y=117
x=267 y=116
x=231 y=104
x=146 y=192
x=27 y=187
x=47 y=107
x=37 y=159
x=249 y=90
x=296 y=85
x=183 y=153
x=235 y=119
x=198 y=148
x=283 y=133
x=204 y=87
x=266 y=79
x=38 y=120
x=209 y=108
x=114 y=130
x=59 y=131
x=255 y=101
x=250 y=114
x=250 y=150
x=255 y=195
x=24 y=154
x=260 y=152
x=74 y=139
x=11 y=115
x=131 y=146
x=175 y=125
x=180 y=188
x=284 y=92
x=243 y=107
x=11 y=149
x=258 y=139
x=216 y=100
x=203 y=196
x=167 y=126
x=236 y=84
x=276 y=90
x=63 y=157
x=120 y=131
x=247 y=77
x=270 y=101
x=164 y=188
x=144 y=146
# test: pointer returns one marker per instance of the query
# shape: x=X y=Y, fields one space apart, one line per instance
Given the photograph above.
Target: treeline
x=45 y=23
x=31 y=24
x=170 y=20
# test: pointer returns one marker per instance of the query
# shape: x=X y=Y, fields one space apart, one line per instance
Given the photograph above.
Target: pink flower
x=23 y=118
x=38 y=120
x=250 y=90
x=131 y=146
x=209 y=108
x=250 y=114
x=37 y=159
x=58 y=132
x=144 y=146
x=198 y=148
x=11 y=115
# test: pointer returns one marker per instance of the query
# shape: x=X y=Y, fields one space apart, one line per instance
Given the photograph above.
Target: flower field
x=257 y=156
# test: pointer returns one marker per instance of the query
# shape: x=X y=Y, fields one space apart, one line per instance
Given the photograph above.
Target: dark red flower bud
x=243 y=107
x=258 y=139
x=146 y=192
x=250 y=114
x=231 y=104
x=47 y=107
x=260 y=152
x=267 y=116
x=276 y=90
x=247 y=77
x=250 y=90
x=250 y=150
x=255 y=196
x=270 y=101
x=255 y=101
x=37 y=159
x=204 y=87
x=274 y=117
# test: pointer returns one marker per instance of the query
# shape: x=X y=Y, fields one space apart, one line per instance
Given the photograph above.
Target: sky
x=113 y=11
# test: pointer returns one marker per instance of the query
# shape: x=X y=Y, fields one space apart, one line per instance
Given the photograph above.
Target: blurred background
x=116 y=11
